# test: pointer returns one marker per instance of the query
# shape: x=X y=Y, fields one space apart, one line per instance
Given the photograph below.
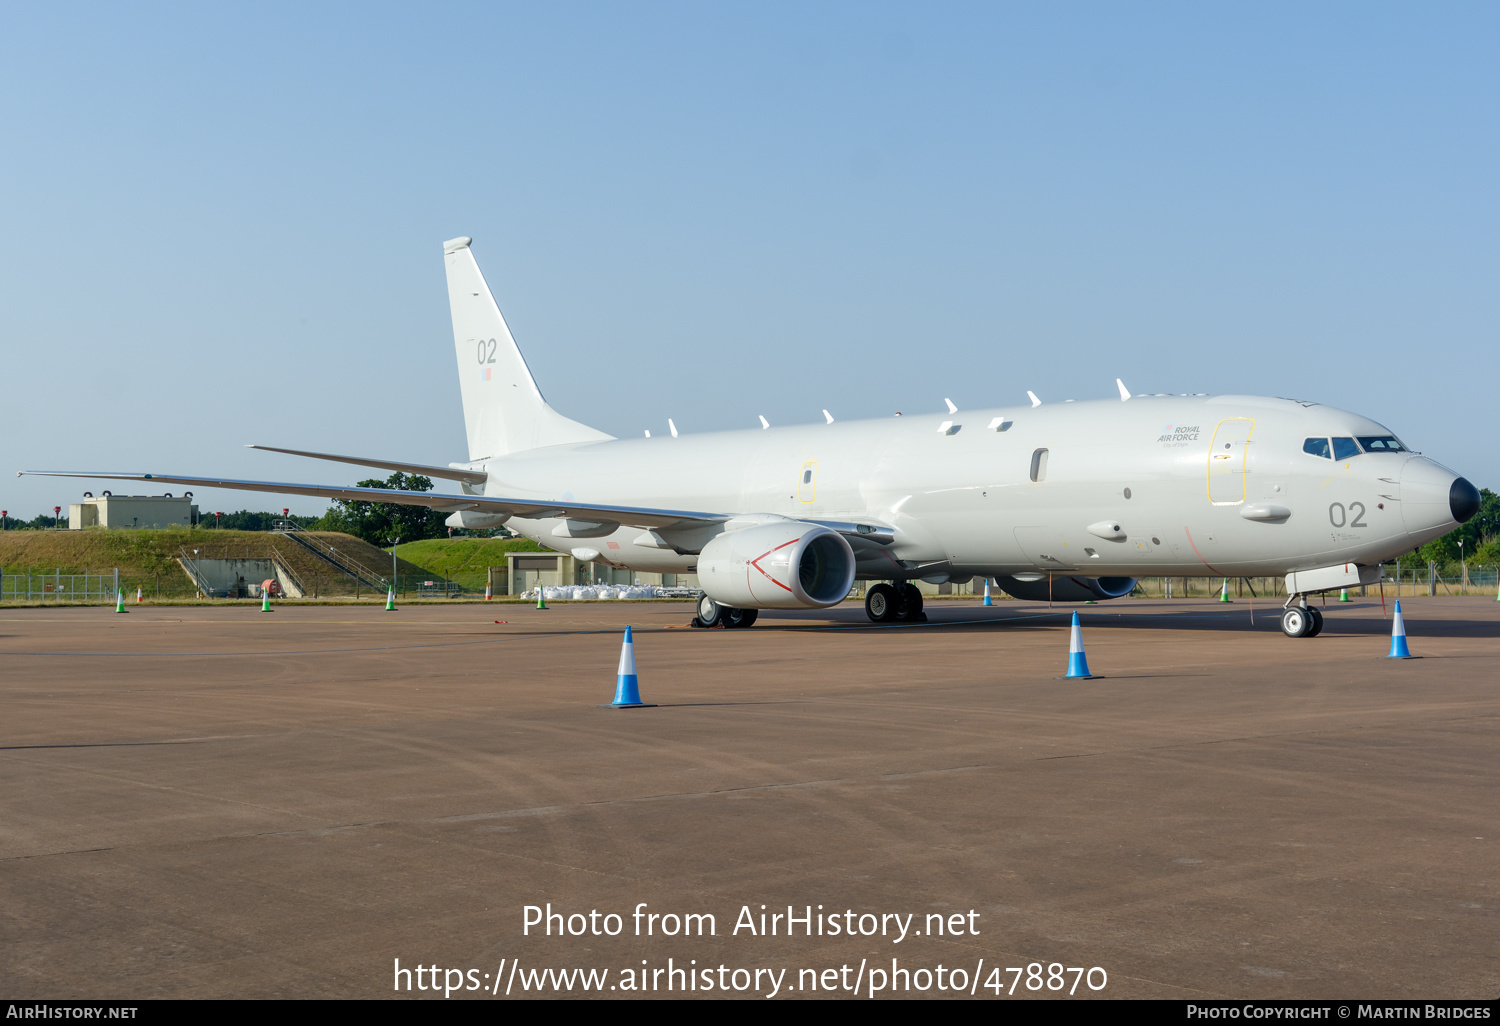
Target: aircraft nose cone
x=1463 y=500
x=1432 y=499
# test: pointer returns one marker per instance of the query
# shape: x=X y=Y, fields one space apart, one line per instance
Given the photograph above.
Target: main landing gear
x=889 y=603
x=1299 y=620
x=711 y=614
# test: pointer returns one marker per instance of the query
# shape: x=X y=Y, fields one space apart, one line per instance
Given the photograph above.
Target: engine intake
x=783 y=565
x=1066 y=587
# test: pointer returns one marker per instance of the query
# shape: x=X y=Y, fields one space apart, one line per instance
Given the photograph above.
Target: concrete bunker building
x=120 y=511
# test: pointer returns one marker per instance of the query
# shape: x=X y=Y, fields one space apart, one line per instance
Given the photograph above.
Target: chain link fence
x=41 y=586
x=44 y=586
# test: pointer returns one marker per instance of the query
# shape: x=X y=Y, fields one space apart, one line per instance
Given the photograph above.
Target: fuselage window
x=1039 y=465
x=1344 y=448
x=807 y=477
x=1317 y=447
x=1381 y=443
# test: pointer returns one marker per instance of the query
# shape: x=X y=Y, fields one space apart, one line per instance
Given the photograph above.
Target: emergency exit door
x=1226 y=460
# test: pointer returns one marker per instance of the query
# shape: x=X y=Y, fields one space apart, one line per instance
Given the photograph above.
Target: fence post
x=1431 y=578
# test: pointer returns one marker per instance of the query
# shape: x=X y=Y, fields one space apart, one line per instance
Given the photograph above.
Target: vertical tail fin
x=504 y=411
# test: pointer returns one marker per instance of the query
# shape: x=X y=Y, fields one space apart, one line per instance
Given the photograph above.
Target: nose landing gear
x=1301 y=620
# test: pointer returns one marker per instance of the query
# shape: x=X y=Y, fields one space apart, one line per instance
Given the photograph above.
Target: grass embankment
x=147 y=559
x=464 y=560
x=143 y=556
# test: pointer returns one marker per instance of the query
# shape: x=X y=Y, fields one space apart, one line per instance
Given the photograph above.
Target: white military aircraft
x=1065 y=500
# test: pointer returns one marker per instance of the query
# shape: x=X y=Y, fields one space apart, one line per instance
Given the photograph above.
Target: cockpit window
x=1317 y=447
x=1382 y=443
x=1344 y=448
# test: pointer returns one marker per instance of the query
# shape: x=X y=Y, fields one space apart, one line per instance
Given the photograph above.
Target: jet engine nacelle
x=780 y=565
x=1066 y=587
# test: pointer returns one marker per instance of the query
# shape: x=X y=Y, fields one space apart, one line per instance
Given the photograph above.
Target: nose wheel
x=1301 y=622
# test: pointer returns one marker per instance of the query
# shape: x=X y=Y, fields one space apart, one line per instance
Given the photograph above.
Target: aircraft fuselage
x=1216 y=485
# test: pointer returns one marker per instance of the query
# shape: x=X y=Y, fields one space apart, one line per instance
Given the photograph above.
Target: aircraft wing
x=425 y=470
x=533 y=509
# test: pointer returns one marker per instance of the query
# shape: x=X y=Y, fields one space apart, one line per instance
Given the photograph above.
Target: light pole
x=394 y=542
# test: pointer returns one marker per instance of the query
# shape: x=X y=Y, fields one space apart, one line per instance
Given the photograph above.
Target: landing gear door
x=1226 y=461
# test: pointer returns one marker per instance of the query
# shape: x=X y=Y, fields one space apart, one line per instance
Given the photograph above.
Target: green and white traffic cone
x=120 y=602
x=541 y=599
x=1224 y=591
x=265 y=600
x=1343 y=594
x=390 y=601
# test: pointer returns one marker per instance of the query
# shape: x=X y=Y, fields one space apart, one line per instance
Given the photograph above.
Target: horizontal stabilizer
x=532 y=509
x=445 y=473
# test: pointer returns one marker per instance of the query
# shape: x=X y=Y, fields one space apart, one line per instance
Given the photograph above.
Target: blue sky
x=222 y=225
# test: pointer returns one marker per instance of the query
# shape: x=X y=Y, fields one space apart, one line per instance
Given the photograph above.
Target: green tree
x=1479 y=535
x=379 y=522
x=249 y=520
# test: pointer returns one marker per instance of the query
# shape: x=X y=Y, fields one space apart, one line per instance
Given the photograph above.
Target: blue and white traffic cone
x=1398 y=636
x=987 y=600
x=1078 y=664
x=628 y=687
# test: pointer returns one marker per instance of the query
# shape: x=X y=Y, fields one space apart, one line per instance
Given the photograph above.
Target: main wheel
x=913 y=602
x=880 y=603
x=733 y=618
x=1296 y=622
x=1317 y=623
x=709 y=612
